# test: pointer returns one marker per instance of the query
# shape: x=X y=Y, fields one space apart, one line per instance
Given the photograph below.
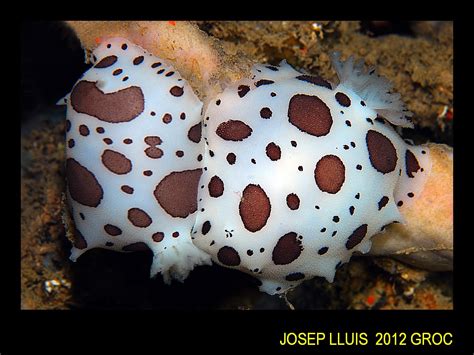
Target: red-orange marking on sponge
x=449 y=115
x=98 y=40
x=172 y=23
x=370 y=300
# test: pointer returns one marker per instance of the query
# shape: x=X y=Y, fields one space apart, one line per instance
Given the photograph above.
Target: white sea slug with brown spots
x=134 y=158
x=300 y=173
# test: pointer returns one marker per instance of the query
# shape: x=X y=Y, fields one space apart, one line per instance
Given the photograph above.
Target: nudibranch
x=300 y=173
x=134 y=158
x=282 y=175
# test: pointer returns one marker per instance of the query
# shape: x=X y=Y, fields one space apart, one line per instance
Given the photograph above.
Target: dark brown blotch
x=383 y=202
x=176 y=91
x=310 y=115
x=115 y=107
x=233 y=130
x=411 y=163
x=242 y=90
x=228 y=256
x=382 y=153
x=82 y=184
x=356 y=237
x=107 y=62
x=316 y=80
x=293 y=201
x=343 y=99
x=206 y=227
x=254 y=207
x=139 y=218
x=116 y=162
x=329 y=174
x=287 y=249
x=177 y=192
x=195 y=132
x=112 y=230
x=216 y=186
x=273 y=151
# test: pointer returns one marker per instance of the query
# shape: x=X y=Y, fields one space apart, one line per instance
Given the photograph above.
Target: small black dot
x=249 y=252
x=109 y=45
x=362 y=103
x=138 y=60
x=335 y=219
x=410 y=194
x=357 y=196
x=253 y=161
x=218 y=102
x=323 y=230
x=369 y=120
x=323 y=250
x=348 y=123
x=346 y=146
x=333 y=233
x=400 y=203
x=359 y=167
x=273 y=94
x=353 y=144
x=293 y=143
x=351 y=210
x=300 y=168
x=124 y=46
x=262 y=250
x=317 y=207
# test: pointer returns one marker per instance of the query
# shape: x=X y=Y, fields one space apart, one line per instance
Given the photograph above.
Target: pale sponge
x=426 y=240
x=197 y=57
